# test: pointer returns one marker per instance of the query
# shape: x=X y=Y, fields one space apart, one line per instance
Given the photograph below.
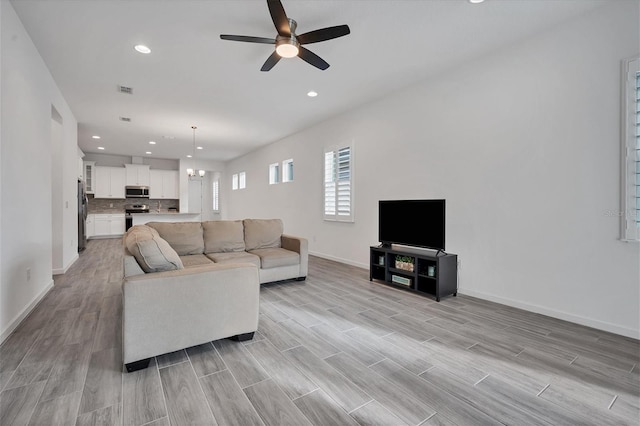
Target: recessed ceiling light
x=101 y=147
x=475 y=1
x=95 y=137
x=199 y=147
x=312 y=94
x=189 y=155
x=152 y=142
x=148 y=152
x=142 y=48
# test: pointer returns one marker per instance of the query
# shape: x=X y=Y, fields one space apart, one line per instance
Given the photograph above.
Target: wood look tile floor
x=333 y=350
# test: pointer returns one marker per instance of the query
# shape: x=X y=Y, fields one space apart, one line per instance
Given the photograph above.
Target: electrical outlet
x=28 y=274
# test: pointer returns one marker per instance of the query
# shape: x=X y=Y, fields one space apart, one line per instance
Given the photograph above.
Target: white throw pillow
x=152 y=252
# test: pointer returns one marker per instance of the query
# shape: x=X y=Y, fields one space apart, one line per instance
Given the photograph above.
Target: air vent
x=127 y=119
x=125 y=89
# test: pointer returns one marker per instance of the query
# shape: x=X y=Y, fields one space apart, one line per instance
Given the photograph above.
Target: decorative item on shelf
x=192 y=172
x=401 y=280
x=381 y=260
x=431 y=271
x=405 y=263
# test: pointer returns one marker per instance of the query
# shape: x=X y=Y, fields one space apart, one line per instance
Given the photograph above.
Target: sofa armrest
x=300 y=246
x=131 y=266
x=168 y=311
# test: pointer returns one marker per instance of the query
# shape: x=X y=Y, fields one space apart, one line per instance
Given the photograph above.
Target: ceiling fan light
x=287 y=48
x=190 y=172
x=201 y=173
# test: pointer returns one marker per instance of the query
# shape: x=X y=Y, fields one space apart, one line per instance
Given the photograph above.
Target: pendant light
x=192 y=171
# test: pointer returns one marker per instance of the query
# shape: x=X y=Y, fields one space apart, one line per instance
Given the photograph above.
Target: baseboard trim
x=66 y=268
x=340 y=260
x=26 y=311
x=589 y=322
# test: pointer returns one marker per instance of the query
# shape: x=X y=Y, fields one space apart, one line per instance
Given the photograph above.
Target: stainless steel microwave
x=136 y=191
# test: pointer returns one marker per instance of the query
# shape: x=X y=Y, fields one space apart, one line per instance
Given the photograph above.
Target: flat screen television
x=418 y=223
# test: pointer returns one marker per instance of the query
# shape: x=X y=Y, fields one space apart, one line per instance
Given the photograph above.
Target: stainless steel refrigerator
x=82 y=216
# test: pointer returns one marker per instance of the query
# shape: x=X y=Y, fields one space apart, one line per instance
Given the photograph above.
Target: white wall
x=56 y=183
x=28 y=94
x=525 y=147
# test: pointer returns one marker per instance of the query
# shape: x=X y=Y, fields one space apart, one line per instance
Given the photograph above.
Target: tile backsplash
x=108 y=205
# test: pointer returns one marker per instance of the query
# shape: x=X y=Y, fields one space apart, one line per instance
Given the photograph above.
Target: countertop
x=106 y=211
x=119 y=211
x=162 y=211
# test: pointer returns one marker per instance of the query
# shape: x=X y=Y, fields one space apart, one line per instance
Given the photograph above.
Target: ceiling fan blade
x=248 y=39
x=279 y=17
x=311 y=58
x=270 y=62
x=324 y=34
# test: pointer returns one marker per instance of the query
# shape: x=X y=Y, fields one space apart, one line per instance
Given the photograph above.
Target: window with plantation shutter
x=631 y=154
x=338 y=184
x=215 y=188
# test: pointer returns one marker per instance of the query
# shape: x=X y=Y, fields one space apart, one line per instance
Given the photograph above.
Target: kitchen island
x=163 y=216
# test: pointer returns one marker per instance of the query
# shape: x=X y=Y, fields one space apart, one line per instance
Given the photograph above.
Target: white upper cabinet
x=109 y=182
x=164 y=184
x=89 y=176
x=137 y=174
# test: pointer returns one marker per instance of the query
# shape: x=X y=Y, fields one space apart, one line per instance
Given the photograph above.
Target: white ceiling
x=192 y=77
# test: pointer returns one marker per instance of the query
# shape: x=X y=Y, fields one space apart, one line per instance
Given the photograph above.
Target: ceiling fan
x=289 y=44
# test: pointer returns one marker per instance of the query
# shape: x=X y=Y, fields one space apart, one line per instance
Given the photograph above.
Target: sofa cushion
x=222 y=236
x=185 y=237
x=262 y=233
x=276 y=257
x=235 y=257
x=151 y=251
x=195 y=260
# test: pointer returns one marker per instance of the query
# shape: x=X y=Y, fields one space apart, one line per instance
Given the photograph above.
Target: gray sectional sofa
x=188 y=283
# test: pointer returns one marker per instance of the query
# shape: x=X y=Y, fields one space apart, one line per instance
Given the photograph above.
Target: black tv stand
x=433 y=274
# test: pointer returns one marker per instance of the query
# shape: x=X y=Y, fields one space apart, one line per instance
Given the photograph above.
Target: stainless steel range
x=134 y=208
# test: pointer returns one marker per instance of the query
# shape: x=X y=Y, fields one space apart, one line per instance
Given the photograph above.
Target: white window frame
x=630 y=199
x=238 y=181
x=287 y=170
x=332 y=185
x=274 y=173
x=215 y=194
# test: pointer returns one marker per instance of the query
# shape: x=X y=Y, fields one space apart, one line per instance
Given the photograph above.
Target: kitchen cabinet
x=89 y=176
x=109 y=182
x=106 y=225
x=90 y=226
x=116 y=224
x=137 y=174
x=164 y=184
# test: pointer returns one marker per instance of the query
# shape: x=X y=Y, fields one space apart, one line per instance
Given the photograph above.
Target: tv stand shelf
x=431 y=275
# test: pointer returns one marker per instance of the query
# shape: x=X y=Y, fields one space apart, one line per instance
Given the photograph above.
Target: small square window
x=242 y=178
x=274 y=173
x=287 y=170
